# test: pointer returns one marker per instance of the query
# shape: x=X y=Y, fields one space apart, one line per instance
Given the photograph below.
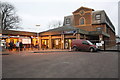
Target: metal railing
x=107 y=44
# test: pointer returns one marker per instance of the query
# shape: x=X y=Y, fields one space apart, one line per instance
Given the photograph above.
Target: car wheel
x=75 y=49
x=91 y=49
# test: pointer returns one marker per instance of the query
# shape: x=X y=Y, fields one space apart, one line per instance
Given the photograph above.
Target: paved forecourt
x=60 y=64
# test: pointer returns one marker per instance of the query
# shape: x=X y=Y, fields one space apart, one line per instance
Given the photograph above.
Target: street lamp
x=38 y=37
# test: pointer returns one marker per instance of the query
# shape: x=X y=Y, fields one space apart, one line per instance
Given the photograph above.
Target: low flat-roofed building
x=27 y=38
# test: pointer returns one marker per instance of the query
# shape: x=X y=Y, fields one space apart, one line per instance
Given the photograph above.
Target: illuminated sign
x=67 y=32
x=26 y=41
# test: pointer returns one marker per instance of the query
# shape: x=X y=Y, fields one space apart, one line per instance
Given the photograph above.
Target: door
x=56 y=44
x=85 y=45
x=68 y=43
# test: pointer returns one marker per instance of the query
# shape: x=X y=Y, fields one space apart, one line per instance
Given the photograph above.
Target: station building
x=27 y=38
x=85 y=23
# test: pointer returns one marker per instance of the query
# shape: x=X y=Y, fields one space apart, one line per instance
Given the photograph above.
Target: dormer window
x=97 y=16
x=67 y=20
x=82 y=21
x=99 y=29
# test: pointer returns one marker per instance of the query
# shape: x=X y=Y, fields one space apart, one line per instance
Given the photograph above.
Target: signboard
x=26 y=41
x=69 y=32
x=98 y=44
x=102 y=42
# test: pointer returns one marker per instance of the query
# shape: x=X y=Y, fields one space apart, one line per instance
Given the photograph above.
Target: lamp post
x=38 y=38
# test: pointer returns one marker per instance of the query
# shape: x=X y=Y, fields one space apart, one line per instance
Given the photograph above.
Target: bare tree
x=8 y=17
x=55 y=24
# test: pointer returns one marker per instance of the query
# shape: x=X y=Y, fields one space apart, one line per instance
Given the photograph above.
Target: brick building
x=85 y=23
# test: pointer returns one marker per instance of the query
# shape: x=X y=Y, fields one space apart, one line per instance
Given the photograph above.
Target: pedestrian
x=17 y=45
x=21 y=46
x=11 y=45
x=43 y=46
x=7 y=45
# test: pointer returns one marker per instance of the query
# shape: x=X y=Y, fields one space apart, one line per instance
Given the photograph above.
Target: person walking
x=21 y=46
x=43 y=46
x=17 y=45
x=11 y=45
x=7 y=46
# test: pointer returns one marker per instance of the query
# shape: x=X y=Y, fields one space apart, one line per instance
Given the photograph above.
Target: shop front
x=28 y=39
x=68 y=43
x=68 y=39
x=45 y=43
x=61 y=38
x=56 y=43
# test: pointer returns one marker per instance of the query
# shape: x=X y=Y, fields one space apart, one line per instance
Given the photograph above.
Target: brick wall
x=102 y=26
x=88 y=19
x=112 y=37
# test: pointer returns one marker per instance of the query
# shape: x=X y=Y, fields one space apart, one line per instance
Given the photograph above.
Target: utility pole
x=38 y=38
x=119 y=18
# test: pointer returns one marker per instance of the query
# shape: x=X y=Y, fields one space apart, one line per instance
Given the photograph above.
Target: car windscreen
x=89 y=42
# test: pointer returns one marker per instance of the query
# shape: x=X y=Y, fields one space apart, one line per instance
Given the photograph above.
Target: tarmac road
x=60 y=65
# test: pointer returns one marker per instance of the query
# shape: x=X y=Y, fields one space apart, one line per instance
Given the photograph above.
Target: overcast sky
x=43 y=12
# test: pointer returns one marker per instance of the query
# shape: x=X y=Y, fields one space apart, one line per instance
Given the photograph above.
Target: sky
x=43 y=12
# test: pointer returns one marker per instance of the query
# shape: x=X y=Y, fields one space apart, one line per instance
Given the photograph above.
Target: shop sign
x=26 y=41
x=14 y=36
x=3 y=36
x=102 y=42
x=98 y=44
x=69 y=32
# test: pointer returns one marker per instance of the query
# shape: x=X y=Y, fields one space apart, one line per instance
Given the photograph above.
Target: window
x=85 y=42
x=99 y=29
x=68 y=21
x=107 y=30
x=97 y=16
x=89 y=42
x=82 y=21
x=82 y=12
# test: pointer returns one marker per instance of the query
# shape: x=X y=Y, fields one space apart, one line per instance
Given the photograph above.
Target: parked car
x=86 y=45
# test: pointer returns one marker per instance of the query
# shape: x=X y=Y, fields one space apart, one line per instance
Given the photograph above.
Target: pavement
x=59 y=64
x=116 y=47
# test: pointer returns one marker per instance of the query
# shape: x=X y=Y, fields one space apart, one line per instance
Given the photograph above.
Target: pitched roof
x=13 y=32
x=63 y=28
x=66 y=28
x=84 y=8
